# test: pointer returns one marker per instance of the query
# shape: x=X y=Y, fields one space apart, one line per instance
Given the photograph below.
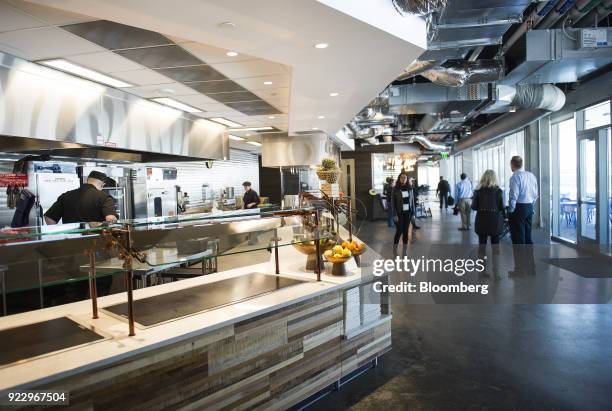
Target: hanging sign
x=12 y=179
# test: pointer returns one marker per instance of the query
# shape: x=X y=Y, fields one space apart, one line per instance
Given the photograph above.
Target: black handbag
x=450 y=201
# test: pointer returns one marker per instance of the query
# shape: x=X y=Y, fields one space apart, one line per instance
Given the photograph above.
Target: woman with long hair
x=404 y=205
x=488 y=203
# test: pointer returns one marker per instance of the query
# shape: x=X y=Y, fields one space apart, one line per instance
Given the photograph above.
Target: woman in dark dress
x=488 y=203
x=404 y=205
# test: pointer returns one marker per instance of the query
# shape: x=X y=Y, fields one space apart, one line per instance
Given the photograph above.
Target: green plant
x=329 y=164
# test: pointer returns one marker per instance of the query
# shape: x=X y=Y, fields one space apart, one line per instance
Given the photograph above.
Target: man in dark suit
x=442 y=191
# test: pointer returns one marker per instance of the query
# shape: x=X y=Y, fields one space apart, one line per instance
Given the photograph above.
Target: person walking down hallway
x=489 y=206
x=443 y=191
x=404 y=205
x=463 y=195
x=388 y=193
x=522 y=196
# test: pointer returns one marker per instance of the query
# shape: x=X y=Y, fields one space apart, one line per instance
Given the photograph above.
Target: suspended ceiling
x=274 y=39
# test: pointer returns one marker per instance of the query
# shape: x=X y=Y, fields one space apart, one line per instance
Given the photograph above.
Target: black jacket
x=398 y=200
x=83 y=205
x=489 y=206
x=443 y=187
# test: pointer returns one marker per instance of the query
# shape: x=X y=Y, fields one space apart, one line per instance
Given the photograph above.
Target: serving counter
x=262 y=336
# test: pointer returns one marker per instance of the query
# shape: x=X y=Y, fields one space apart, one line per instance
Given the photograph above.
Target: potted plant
x=328 y=170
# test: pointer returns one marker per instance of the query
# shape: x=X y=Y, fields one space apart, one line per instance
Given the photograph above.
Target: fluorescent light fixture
x=321 y=45
x=254 y=143
x=321 y=117
x=334 y=94
x=264 y=128
x=170 y=102
x=231 y=54
x=225 y=122
x=268 y=83
x=235 y=138
x=65 y=65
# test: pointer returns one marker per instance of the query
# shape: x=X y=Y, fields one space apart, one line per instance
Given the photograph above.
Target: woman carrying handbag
x=488 y=203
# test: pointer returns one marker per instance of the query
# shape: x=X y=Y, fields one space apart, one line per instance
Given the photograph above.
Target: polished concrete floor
x=495 y=356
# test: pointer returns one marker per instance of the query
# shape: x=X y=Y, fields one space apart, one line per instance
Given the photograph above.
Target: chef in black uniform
x=250 y=198
x=88 y=204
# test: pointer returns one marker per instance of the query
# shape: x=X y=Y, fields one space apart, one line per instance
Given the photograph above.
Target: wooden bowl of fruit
x=308 y=246
x=356 y=247
x=338 y=255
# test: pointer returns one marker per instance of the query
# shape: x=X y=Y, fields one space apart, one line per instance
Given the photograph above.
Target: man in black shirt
x=443 y=191
x=84 y=205
x=250 y=198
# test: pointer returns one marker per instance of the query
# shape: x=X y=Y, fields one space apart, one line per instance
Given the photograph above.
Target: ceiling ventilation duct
x=424 y=141
x=420 y=7
x=455 y=73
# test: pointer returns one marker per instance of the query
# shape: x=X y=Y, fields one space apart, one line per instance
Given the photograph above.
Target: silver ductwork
x=527 y=96
x=500 y=127
x=419 y=7
x=455 y=73
x=426 y=143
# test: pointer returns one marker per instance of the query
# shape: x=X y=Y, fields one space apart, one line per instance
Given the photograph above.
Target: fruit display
x=338 y=254
x=328 y=170
x=309 y=246
x=356 y=247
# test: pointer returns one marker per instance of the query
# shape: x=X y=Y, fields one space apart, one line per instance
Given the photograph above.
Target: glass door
x=587 y=221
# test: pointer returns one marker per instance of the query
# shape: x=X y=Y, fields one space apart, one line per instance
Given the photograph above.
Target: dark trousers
x=520 y=232
x=444 y=199
x=482 y=239
x=401 y=227
x=520 y=224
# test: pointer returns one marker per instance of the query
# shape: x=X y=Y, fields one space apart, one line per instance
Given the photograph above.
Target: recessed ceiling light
x=321 y=45
x=268 y=83
x=235 y=138
x=334 y=94
x=231 y=54
x=254 y=143
x=271 y=117
x=321 y=117
x=226 y=122
x=263 y=128
x=315 y=128
x=176 y=104
x=80 y=71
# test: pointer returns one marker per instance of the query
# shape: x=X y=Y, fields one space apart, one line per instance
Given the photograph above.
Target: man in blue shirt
x=464 y=193
x=523 y=194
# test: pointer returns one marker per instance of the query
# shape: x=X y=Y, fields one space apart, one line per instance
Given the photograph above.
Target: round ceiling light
x=321 y=117
x=315 y=128
x=271 y=117
x=231 y=54
x=334 y=94
x=321 y=45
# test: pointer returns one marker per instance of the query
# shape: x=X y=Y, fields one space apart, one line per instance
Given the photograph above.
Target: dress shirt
x=523 y=188
x=463 y=189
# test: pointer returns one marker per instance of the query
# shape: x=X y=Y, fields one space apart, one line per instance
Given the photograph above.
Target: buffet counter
x=270 y=342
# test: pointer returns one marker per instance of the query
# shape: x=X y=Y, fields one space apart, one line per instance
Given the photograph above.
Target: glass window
x=566 y=170
x=597 y=115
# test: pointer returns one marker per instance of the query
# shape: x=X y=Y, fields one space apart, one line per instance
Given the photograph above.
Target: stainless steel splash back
x=282 y=150
x=41 y=103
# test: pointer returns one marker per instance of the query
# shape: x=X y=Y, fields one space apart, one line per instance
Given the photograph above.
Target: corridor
x=496 y=355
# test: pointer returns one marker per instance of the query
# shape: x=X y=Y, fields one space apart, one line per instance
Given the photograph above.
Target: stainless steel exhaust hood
x=282 y=150
x=44 y=110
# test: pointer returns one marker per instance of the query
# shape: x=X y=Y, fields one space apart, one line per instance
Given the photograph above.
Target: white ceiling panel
x=47 y=42
x=106 y=61
x=278 y=94
x=213 y=55
x=257 y=83
x=52 y=16
x=158 y=90
x=13 y=19
x=142 y=77
x=200 y=101
x=251 y=68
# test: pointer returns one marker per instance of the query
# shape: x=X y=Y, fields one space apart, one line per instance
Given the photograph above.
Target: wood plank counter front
x=270 y=352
